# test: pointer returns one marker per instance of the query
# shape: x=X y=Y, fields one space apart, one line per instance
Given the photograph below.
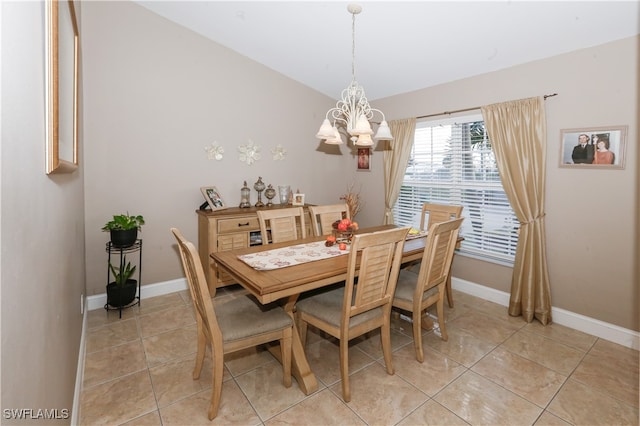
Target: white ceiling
x=401 y=46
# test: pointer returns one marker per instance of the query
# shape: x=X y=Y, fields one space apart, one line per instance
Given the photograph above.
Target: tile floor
x=494 y=370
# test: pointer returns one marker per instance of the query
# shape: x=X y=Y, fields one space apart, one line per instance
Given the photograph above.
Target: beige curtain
x=395 y=159
x=517 y=131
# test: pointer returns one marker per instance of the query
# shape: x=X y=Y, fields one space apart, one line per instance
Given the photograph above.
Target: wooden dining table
x=287 y=283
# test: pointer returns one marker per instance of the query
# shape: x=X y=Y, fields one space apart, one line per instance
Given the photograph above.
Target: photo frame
x=576 y=155
x=364 y=160
x=298 y=199
x=62 y=38
x=212 y=195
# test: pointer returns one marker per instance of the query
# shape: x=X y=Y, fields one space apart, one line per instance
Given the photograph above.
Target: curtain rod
x=469 y=109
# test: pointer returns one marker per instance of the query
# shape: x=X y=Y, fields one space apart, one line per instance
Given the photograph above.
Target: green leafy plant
x=123 y=222
x=122 y=273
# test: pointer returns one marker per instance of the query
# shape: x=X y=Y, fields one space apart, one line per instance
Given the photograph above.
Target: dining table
x=285 y=284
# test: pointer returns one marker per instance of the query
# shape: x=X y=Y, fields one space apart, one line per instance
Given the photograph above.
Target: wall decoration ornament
x=249 y=153
x=215 y=151
x=278 y=152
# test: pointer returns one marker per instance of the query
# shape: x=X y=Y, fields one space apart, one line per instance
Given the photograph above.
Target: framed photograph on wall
x=593 y=147
x=364 y=160
x=213 y=197
x=298 y=200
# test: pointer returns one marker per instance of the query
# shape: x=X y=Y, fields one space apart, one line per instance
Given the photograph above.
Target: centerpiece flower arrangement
x=342 y=232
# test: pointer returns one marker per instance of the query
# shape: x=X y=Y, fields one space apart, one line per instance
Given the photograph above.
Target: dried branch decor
x=352 y=198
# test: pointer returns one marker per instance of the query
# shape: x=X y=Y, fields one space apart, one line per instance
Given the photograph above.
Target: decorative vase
x=245 y=193
x=269 y=193
x=259 y=186
x=284 y=190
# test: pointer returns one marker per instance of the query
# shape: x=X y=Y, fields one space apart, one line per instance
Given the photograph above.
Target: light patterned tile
x=261 y=384
x=324 y=360
x=550 y=353
x=118 y=401
x=193 y=410
x=430 y=376
x=321 y=408
x=174 y=380
x=483 y=326
x=432 y=414
x=100 y=317
x=171 y=345
x=372 y=345
x=245 y=360
x=112 y=334
x=166 y=319
x=548 y=419
x=479 y=401
x=113 y=362
x=580 y=404
x=523 y=377
x=379 y=398
x=461 y=346
x=151 y=419
x=565 y=335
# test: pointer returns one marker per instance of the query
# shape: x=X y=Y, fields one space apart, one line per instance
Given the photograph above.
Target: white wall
x=591 y=215
x=42 y=263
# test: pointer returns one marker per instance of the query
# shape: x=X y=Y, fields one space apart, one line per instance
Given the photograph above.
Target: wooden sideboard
x=229 y=229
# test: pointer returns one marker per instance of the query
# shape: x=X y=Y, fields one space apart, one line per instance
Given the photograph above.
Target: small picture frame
x=593 y=147
x=212 y=195
x=364 y=160
x=298 y=200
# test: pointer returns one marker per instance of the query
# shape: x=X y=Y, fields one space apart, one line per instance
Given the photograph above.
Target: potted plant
x=124 y=229
x=122 y=290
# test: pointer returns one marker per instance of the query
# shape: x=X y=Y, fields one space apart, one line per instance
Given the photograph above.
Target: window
x=452 y=162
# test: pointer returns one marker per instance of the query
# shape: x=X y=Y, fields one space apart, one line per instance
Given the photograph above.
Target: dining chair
x=322 y=217
x=416 y=292
x=440 y=213
x=353 y=310
x=282 y=224
x=235 y=324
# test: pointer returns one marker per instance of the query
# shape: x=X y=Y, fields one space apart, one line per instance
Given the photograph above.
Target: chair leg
x=417 y=335
x=449 y=291
x=202 y=347
x=344 y=369
x=440 y=309
x=385 y=340
x=285 y=347
x=216 y=391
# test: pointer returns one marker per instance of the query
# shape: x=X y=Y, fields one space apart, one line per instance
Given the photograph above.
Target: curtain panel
x=517 y=130
x=395 y=159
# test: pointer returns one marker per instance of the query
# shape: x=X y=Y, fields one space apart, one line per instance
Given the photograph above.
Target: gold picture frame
x=213 y=197
x=62 y=87
x=612 y=155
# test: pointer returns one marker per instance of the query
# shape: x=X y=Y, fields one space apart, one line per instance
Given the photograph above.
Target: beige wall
x=42 y=234
x=156 y=95
x=590 y=214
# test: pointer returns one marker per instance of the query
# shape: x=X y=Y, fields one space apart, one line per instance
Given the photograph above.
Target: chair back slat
x=379 y=256
x=282 y=224
x=323 y=217
x=438 y=213
x=438 y=254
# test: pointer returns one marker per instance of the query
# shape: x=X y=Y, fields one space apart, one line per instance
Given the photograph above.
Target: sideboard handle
x=243 y=224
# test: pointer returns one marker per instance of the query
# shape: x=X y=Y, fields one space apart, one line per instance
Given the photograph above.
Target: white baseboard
x=98 y=301
x=606 y=331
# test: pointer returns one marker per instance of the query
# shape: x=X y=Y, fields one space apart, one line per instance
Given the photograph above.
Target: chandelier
x=353 y=110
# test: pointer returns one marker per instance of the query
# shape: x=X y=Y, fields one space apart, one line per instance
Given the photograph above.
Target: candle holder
x=259 y=186
x=245 y=194
x=269 y=193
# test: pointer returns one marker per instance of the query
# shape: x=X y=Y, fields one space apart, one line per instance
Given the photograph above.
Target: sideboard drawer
x=238 y=224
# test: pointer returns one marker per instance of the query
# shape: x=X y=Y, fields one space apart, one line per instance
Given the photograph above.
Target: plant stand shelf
x=121 y=252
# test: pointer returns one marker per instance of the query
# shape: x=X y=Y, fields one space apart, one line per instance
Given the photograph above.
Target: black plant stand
x=122 y=251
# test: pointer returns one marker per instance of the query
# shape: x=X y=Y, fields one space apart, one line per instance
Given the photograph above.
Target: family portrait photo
x=597 y=147
x=213 y=197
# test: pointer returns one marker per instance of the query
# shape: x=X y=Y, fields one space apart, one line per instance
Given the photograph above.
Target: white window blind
x=451 y=162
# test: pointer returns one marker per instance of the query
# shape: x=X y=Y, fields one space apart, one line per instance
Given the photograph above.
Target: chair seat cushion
x=243 y=316
x=327 y=306
x=406 y=287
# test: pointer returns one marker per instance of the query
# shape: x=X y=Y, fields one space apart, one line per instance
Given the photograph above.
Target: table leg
x=299 y=365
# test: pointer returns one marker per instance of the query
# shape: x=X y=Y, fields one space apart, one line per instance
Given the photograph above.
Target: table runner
x=291 y=255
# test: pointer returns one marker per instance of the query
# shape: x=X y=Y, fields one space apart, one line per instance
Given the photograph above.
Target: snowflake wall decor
x=215 y=151
x=279 y=152
x=249 y=153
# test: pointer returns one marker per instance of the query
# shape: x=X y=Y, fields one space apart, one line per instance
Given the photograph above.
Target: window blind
x=452 y=162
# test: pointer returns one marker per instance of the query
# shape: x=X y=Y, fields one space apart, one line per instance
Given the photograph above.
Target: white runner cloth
x=291 y=255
